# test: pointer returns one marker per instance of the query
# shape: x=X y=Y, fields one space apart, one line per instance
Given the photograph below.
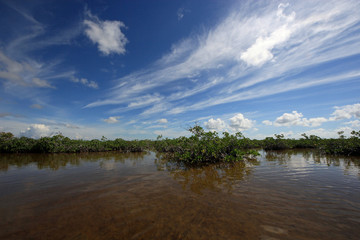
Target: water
x=281 y=195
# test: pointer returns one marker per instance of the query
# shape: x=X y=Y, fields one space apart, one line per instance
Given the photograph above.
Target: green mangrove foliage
x=280 y=143
x=342 y=145
x=59 y=143
x=338 y=146
x=201 y=147
x=206 y=147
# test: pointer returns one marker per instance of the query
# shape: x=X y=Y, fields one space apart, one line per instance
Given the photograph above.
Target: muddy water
x=281 y=195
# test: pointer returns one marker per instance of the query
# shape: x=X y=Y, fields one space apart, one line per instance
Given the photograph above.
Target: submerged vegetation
x=201 y=147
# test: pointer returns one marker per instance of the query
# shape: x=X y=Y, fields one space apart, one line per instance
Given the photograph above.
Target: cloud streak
x=26 y=73
x=18 y=66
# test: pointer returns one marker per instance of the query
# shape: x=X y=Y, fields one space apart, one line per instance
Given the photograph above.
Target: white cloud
x=37 y=131
x=320 y=132
x=57 y=125
x=296 y=119
x=314 y=122
x=163 y=120
x=289 y=119
x=107 y=34
x=215 y=125
x=240 y=123
x=112 y=120
x=346 y=112
x=85 y=82
x=49 y=127
x=267 y=122
x=354 y=124
x=260 y=51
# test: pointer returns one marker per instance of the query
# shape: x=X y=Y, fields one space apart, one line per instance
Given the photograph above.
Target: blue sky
x=138 y=69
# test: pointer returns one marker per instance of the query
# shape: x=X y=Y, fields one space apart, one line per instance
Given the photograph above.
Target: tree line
x=201 y=147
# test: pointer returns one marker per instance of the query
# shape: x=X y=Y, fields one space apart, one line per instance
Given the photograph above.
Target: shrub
x=206 y=147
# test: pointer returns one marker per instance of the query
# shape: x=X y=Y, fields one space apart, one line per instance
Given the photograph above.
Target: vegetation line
x=61 y=144
x=201 y=147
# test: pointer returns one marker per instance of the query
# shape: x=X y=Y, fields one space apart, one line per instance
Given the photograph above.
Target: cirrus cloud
x=258 y=50
x=24 y=73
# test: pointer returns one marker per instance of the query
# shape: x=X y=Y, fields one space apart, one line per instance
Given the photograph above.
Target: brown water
x=281 y=195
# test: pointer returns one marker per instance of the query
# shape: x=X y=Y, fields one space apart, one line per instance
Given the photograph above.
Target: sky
x=139 y=69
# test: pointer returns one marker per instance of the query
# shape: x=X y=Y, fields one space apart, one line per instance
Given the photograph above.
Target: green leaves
x=201 y=147
x=206 y=147
x=59 y=143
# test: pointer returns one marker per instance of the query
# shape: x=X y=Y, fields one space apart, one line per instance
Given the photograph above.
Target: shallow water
x=281 y=195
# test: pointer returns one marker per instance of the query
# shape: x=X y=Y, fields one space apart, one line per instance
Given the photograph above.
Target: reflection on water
x=220 y=176
x=61 y=160
x=306 y=158
x=296 y=194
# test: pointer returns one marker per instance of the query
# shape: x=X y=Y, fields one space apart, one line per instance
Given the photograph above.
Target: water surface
x=280 y=195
